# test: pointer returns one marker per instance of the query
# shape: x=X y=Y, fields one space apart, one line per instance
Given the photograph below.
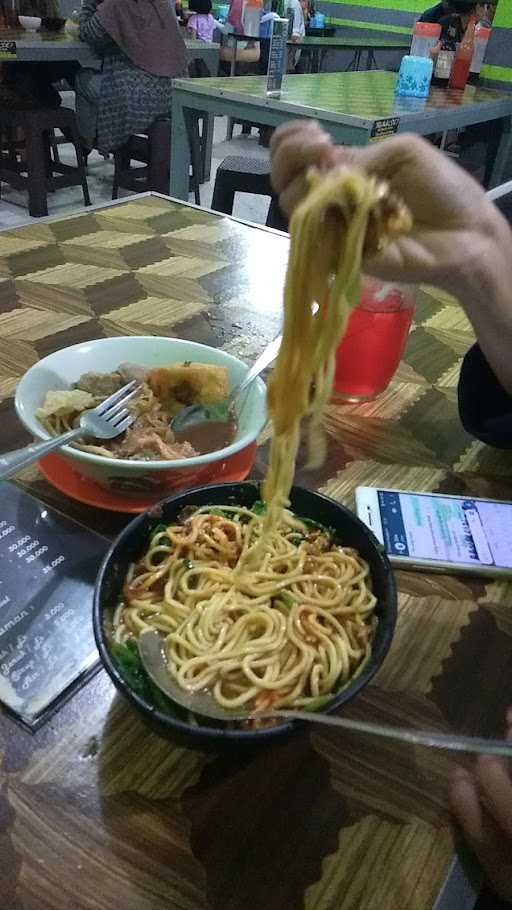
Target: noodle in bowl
x=350 y=659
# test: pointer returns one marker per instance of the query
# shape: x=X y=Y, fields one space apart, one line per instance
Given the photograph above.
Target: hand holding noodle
x=447 y=205
x=345 y=217
x=459 y=241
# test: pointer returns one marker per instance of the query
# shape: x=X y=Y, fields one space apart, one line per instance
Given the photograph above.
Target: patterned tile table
x=97 y=812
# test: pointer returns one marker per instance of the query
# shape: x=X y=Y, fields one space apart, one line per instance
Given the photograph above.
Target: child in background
x=201 y=24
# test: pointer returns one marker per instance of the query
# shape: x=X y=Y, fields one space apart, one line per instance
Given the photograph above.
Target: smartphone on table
x=434 y=531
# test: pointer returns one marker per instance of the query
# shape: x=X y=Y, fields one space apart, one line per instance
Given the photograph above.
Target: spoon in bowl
x=153 y=658
x=199 y=413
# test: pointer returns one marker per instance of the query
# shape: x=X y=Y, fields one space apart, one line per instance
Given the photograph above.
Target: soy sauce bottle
x=463 y=57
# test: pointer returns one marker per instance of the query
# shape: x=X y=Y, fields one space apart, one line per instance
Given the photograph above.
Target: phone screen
x=469 y=531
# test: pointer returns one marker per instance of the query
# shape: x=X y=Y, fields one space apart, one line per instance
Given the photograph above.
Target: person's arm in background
x=192 y=25
x=91 y=30
x=481 y=800
x=223 y=28
x=298 y=26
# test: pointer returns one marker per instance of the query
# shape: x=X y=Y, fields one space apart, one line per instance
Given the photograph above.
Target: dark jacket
x=485 y=408
x=434 y=14
x=452 y=28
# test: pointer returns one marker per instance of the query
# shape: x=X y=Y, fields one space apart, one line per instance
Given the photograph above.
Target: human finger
x=466 y=806
x=495 y=783
x=297 y=152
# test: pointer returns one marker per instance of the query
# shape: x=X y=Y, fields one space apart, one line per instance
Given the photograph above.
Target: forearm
x=484 y=289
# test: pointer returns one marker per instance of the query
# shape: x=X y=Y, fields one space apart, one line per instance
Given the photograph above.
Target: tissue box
x=414 y=77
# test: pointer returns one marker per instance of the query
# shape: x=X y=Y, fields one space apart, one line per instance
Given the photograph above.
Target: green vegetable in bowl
x=127 y=660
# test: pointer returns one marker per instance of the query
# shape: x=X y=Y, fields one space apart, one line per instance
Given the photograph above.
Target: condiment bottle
x=482 y=35
x=463 y=57
x=424 y=38
x=444 y=63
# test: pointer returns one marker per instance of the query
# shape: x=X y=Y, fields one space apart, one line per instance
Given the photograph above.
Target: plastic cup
x=370 y=352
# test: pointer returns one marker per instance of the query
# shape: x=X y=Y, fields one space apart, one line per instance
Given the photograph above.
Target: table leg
x=353 y=63
x=206 y=147
x=499 y=154
x=232 y=72
x=36 y=170
x=357 y=59
x=371 y=62
x=180 y=151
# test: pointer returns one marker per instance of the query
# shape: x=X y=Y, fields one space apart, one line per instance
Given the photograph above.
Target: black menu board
x=48 y=565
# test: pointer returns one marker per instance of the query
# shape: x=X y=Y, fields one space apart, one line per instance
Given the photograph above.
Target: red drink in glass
x=371 y=350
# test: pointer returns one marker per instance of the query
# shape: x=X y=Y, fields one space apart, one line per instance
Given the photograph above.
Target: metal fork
x=106 y=421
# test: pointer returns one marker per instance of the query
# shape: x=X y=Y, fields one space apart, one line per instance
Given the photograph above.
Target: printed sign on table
x=7 y=50
x=48 y=566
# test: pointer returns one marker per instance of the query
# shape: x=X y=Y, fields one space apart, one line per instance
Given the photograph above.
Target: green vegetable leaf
x=316 y=704
x=218 y=411
x=126 y=657
x=311 y=523
x=127 y=660
x=259 y=507
x=287 y=599
x=188 y=564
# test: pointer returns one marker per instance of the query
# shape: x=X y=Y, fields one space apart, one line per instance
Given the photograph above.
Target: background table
x=316 y=48
x=60 y=47
x=99 y=812
x=353 y=107
x=42 y=47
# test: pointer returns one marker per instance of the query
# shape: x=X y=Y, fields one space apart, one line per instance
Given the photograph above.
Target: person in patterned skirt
x=141 y=48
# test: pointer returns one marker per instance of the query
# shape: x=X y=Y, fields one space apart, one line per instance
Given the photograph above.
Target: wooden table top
x=97 y=811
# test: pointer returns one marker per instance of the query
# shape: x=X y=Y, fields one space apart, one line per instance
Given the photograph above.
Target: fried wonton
x=65 y=403
x=181 y=384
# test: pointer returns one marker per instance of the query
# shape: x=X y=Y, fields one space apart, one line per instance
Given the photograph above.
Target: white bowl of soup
x=173 y=373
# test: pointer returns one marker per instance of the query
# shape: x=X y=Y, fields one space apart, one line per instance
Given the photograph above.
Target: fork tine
x=127 y=422
x=114 y=409
x=118 y=416
x=116 y=397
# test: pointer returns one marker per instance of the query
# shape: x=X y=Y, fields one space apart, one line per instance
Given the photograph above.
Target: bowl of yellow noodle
x=304 y=625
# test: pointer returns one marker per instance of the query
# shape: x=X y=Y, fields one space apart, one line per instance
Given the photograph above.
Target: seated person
x=437 y=12
x=298 y=30
x=454 y=25
x=133 y=87
x=248 y=53
x=201 y=24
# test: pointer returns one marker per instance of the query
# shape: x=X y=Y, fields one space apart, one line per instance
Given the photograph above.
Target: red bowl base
x=63 y=477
